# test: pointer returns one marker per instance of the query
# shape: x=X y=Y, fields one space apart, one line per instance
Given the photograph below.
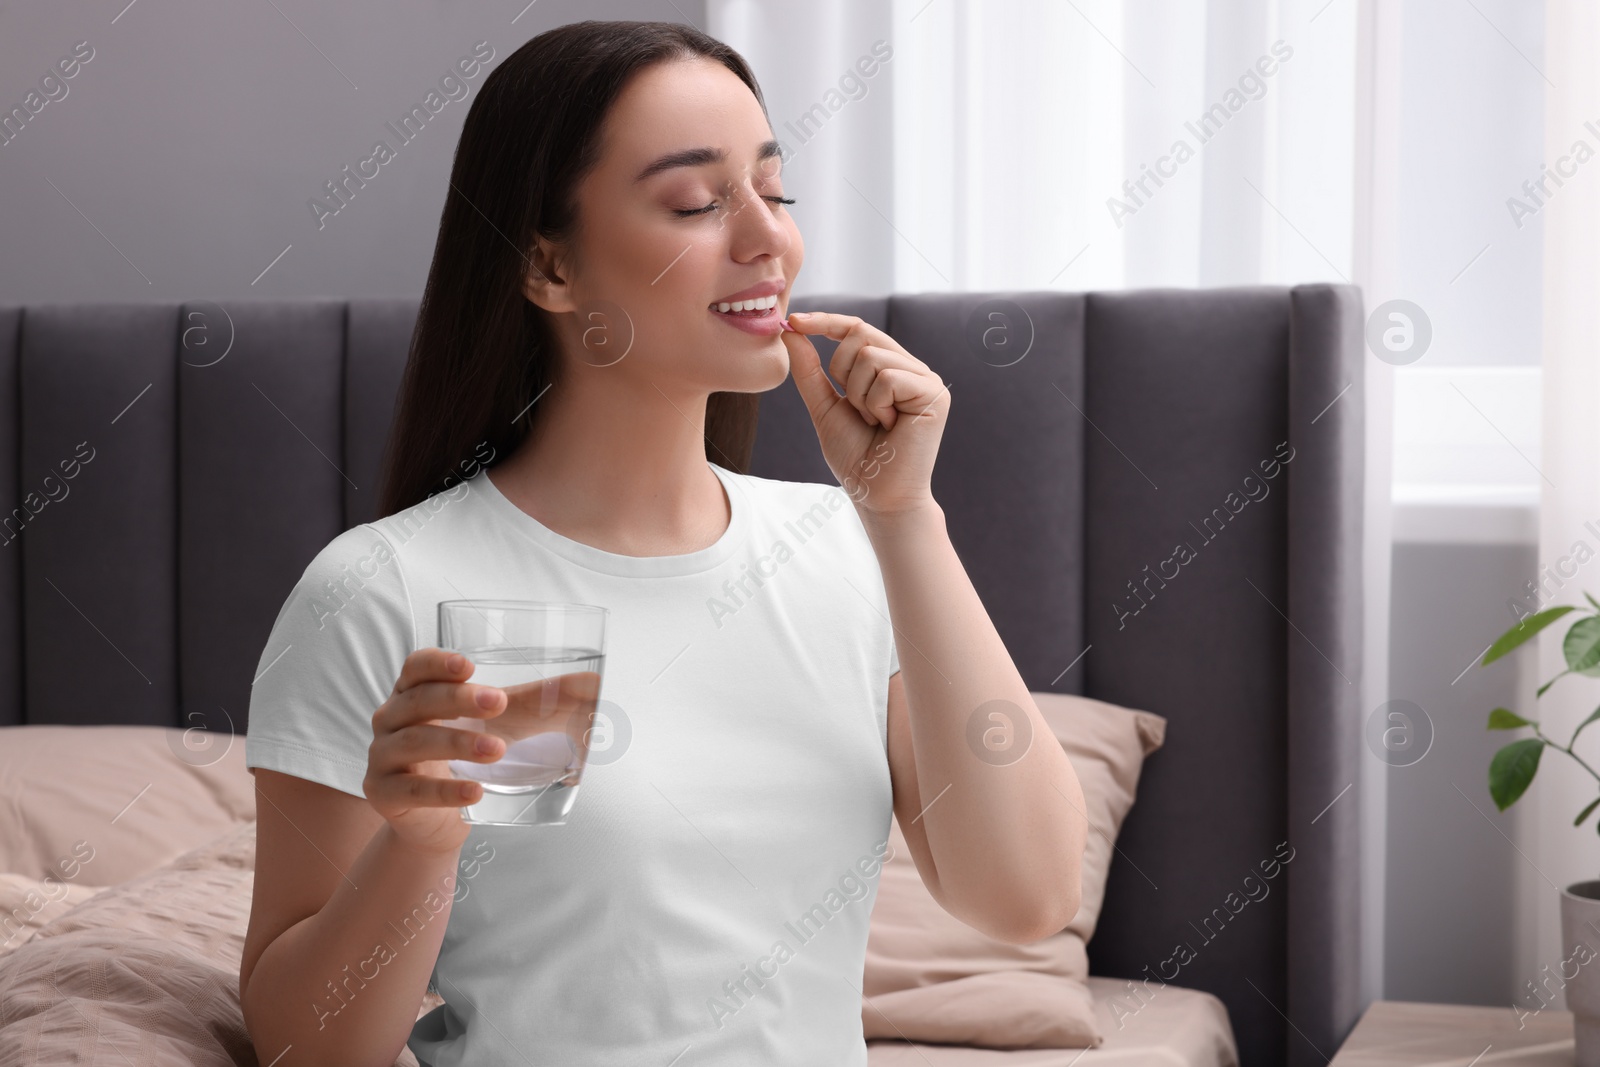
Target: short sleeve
x=871 y=573
x=334 y=654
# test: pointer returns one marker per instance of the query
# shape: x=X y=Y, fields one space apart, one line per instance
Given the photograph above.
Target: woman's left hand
x=880 y=438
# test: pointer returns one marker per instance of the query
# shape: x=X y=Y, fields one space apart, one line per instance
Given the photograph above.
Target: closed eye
x=683 y=214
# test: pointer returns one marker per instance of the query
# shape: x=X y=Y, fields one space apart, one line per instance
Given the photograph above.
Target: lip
x=766 y=324
x=771 y=287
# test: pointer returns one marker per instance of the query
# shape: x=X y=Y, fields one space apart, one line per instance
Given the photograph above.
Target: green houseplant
x=1513 y=767
x=1511 y=771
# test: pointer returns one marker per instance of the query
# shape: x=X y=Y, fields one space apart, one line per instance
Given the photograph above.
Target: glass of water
x=549 y=659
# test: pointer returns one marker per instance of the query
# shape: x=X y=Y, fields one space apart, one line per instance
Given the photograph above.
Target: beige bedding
x=141 y=973
x=134 y=798
x=1176 y=1027
x=114 y=952
x=147 y=973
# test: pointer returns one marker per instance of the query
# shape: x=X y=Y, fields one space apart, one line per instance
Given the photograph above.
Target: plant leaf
x=1591 y=600
x=1522 y=631
x=1502 y=719
x=1581 y=646
x=1548 y=684
x=1584 y=814
x=1512 y=769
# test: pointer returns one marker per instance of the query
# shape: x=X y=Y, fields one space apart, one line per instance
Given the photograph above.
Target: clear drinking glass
x=549 y=659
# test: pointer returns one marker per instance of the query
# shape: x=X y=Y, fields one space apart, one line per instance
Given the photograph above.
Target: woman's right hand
x=408 y=780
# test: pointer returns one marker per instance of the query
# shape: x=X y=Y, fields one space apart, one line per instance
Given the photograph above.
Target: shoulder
x=813 y=510
x=358 y=550
x=358 y=574
x=788 y=499
x=446 y=513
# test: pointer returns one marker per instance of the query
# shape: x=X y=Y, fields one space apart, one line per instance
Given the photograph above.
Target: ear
x=543 y=282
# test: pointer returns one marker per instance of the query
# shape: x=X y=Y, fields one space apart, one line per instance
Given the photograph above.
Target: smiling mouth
x=756 y=308
x=758 y=313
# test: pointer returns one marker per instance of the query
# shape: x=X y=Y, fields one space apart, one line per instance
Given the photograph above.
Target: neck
x=618 y=462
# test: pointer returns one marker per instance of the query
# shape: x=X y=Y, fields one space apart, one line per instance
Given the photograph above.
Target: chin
x=758 y=370
x=776 y=364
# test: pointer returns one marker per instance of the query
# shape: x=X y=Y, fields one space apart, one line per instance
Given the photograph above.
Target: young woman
x=615 y=196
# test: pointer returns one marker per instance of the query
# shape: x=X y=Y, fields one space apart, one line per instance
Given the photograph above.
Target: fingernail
x=456 y=663
x=487 y=698
x=484 y=745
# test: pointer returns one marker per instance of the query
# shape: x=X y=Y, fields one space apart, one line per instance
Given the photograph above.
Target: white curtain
x=1569 y=507
x=990 y=150
x=1099 y=144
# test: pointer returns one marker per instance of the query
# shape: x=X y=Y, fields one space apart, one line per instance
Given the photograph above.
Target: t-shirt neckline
x=614 y=563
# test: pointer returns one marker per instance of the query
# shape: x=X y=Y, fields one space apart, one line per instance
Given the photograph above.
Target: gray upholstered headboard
x=1093 y=438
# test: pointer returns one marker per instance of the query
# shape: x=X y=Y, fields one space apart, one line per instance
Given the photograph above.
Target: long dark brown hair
x=481 y=351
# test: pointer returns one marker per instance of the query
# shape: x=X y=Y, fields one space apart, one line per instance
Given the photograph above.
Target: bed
x=145 y=969
x=1089 y=434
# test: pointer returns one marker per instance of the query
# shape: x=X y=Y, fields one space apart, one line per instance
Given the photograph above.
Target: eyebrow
x=699 y=157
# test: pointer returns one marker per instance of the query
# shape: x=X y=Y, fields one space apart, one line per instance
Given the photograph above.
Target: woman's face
x=683 y=136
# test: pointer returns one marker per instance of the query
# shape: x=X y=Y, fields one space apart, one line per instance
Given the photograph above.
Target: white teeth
x=758 y=304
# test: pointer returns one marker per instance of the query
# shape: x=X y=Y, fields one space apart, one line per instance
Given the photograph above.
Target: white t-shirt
x=711 y=888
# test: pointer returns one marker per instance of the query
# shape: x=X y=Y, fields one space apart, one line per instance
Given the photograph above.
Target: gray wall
x=1451 y=865
x=179 y=161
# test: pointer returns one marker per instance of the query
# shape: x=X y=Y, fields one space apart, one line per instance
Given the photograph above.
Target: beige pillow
x=931 y=977
x=74 y=803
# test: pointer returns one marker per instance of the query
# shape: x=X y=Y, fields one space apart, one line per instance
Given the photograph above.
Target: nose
x=753 y=228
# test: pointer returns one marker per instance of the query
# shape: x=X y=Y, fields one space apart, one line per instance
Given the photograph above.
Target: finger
x=423 y=743
x=869 y=363
x=890 y=388
x=851 y=331
x=835 y=326
x=857 y=336
x=560 y=692
x=805 y=367
x=396 y=792
x=847 y=358
x=909 y=393
x=438 y=700
x=549 y=704
x=432 y=665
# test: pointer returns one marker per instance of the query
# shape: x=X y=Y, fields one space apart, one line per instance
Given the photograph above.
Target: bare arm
x=999 y=844
x=352 y=895
x=340 y=981
x=997 y=834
